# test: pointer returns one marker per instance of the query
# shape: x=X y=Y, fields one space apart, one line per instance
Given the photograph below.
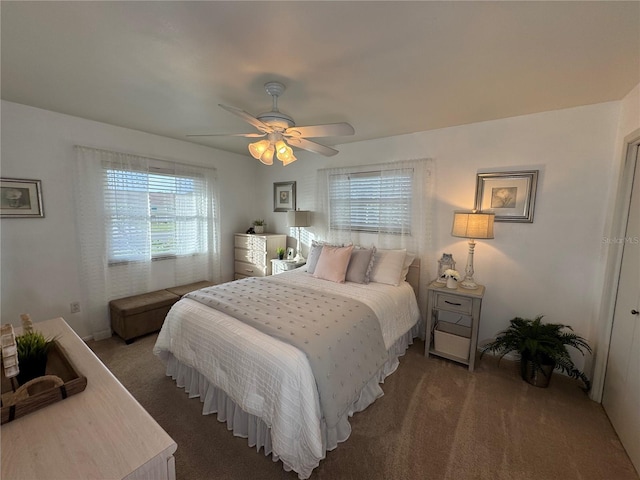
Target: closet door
x=621 y=398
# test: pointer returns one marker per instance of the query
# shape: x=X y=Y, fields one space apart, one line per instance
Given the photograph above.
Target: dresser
x=254 y=252
x=101 y=432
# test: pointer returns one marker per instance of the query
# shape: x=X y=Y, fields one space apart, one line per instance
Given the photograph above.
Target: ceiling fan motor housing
x=275 y=118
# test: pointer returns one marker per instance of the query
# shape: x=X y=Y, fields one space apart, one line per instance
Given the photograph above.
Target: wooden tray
x=58 y=364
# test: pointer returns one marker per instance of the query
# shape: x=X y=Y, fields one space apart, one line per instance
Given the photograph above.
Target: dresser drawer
x=255 y=257
x=250 y=270
x=250 y=242
x=454 y=303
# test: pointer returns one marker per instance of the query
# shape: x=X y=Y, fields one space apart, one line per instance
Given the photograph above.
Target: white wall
x=553 y=266
x=38 y=257
x=550 y=267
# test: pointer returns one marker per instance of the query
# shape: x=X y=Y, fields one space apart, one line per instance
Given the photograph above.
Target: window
x=375 y=201
x=154 y=214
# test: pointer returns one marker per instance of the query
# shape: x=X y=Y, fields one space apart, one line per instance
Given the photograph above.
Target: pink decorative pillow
x=333 y=262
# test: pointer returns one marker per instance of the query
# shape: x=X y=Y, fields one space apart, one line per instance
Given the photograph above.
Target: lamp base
x=468 y=283
x=299 y=259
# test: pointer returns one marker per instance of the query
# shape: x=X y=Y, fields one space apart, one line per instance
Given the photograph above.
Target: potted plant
x=33 y=349
x=280 y=252
x=542 y=348
x=258 y=226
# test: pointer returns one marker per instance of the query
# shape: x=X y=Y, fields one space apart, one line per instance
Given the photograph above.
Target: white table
x=99 y=433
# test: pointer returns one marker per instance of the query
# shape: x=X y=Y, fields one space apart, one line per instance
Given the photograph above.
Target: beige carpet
x=435 y=421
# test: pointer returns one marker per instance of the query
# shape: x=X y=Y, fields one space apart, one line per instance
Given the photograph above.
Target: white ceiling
x=387 y=68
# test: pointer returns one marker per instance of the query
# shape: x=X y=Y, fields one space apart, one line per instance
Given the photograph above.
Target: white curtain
x=113 y=216
x=389 y=205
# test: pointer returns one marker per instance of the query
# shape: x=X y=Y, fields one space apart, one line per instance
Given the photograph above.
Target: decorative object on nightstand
x=452 y=277
x=452 y=323
x=472 y=225
x=280 y=251
x=446 y=262
x=298 y=219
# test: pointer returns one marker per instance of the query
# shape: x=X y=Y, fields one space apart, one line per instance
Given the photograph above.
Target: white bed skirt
x=255 y=430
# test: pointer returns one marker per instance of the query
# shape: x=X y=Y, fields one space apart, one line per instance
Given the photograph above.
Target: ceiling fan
x=280 y=131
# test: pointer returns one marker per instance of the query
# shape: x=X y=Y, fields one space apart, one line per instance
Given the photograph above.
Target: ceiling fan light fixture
x=285 y=155
x=281 y=147
x=257 y=149
x=267 y=157
x=292 y=158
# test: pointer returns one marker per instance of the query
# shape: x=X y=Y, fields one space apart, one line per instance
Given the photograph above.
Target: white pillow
x=408 y=260
x=388 y=265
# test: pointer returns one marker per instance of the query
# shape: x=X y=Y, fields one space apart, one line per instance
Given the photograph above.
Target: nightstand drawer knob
x=634 y=312
x=452 y=303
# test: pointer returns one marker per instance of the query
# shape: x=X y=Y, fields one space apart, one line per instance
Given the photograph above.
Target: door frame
x=614 y=261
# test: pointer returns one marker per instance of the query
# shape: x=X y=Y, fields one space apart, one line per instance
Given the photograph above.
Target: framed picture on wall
x=20 y=198
x=510 y=195
x=284 y=196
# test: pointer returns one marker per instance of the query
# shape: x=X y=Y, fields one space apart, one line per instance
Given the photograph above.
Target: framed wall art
x=284 y=196
x=510 y=195
x=20 y=198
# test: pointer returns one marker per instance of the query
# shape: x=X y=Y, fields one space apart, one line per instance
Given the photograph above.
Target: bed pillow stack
x=359 y=265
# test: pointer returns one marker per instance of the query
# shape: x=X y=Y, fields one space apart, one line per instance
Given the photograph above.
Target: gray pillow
x=360 y=265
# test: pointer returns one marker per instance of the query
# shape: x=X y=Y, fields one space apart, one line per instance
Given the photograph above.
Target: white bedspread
x=266 y=377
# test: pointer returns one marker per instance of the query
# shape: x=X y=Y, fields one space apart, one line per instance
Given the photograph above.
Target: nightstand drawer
x=250 y=270
x=454 y=303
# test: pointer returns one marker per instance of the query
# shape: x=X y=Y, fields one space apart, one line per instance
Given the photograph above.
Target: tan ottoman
x=138 y=315
x=184 y=289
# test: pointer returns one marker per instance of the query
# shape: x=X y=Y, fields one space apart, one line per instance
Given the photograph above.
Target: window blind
x=154 y=214
x=375 y=201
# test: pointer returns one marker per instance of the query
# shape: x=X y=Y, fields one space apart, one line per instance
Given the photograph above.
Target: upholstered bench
x=139 y=315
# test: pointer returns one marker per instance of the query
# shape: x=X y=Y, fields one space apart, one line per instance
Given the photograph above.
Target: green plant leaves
x=541 y=343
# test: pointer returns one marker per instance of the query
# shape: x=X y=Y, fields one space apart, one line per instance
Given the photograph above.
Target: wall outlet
x=74 y=307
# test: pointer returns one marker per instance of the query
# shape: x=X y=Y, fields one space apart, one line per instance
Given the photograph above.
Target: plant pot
x=31 y=368
x=258 y=228
x=538 y=377
x=281 y=256
x=452 y=283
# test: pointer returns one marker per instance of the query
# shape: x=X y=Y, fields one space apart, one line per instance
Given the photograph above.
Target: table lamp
x=472 y=225
x=298 y=219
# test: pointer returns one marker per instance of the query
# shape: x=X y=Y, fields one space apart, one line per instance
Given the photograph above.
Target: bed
x=266 y=388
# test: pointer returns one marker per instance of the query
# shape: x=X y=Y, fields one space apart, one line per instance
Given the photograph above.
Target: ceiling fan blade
x=312 y=146
x=250 y=119
x=248 y=135
x=327 y=130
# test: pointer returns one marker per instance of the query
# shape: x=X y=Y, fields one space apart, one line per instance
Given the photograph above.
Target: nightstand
x=453 y=318
x=279 y=266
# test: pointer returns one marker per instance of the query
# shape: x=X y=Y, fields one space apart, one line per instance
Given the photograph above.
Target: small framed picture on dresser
x=290 y=253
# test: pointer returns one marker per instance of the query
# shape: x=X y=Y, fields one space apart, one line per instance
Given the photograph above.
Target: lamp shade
x=267 y=156
x=258 y=148
x=299 y=218
x=473 y=224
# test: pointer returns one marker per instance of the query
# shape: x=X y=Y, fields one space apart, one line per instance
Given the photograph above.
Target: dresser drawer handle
x=248 y=270
x=452 y=303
